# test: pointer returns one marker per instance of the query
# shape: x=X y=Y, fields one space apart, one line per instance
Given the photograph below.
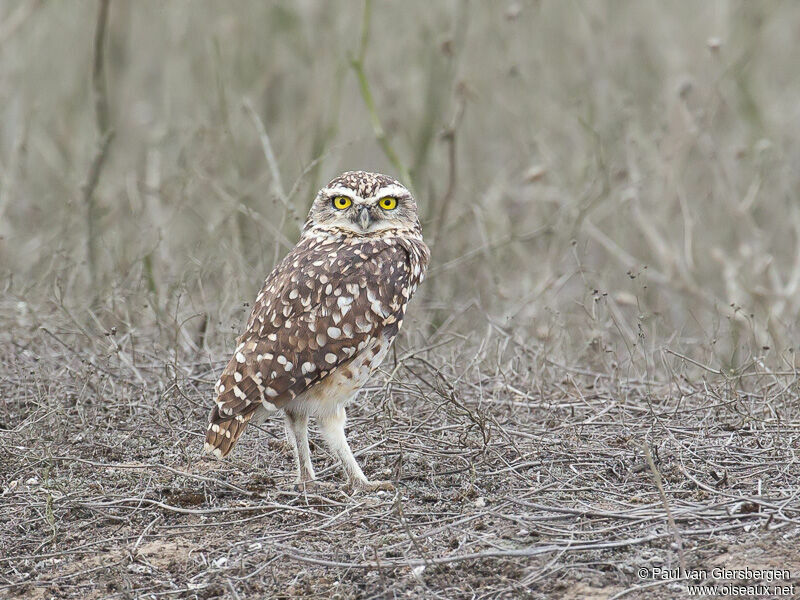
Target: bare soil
x=512 y=482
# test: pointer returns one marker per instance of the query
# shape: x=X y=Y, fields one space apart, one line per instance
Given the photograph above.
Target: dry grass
x=599 y=375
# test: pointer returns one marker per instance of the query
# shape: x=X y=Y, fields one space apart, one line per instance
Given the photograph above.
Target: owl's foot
x=365 y=485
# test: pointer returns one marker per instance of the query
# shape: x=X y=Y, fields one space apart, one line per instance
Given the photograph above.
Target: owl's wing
x=323 y=304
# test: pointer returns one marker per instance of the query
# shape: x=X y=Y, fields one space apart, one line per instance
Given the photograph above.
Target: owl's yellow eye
x=388 y=203
x=342 y=202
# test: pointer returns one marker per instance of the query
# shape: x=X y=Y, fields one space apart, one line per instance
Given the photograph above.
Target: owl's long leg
x=297 y=434
x=332 y=429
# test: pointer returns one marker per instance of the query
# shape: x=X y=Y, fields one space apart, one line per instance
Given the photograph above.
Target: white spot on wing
x=308 y=367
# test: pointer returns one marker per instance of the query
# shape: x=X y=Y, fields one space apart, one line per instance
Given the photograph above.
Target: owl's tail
x=222 y=433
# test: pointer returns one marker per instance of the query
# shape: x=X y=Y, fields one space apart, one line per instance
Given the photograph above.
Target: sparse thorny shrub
x=627 y=193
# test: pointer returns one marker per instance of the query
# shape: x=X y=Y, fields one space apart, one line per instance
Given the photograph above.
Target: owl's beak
x=363 y=217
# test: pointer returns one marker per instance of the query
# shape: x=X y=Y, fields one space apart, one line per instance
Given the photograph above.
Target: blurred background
x=604 y=182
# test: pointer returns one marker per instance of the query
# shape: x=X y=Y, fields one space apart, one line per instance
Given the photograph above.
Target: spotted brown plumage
x=324 y=319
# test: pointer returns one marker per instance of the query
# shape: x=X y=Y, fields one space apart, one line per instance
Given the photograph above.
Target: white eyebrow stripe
x=390 y=190
x=342 y=191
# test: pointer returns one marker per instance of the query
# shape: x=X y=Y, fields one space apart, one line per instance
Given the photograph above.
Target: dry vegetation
x=599 y=375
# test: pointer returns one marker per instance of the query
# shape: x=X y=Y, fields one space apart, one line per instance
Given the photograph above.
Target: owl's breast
x=342 y=384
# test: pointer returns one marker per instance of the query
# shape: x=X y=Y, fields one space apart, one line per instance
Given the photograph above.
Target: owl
x=324 y=320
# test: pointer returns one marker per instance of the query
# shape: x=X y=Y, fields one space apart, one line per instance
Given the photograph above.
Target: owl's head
x=363 y=204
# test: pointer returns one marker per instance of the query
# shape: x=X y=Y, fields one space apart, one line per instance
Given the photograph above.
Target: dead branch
x=105 y=135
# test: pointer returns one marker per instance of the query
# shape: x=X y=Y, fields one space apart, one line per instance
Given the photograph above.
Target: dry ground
x=516 y=478
x=599 y=375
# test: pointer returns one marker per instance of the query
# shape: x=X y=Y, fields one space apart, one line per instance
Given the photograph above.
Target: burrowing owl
x=325 y=319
